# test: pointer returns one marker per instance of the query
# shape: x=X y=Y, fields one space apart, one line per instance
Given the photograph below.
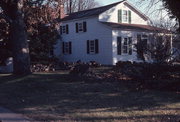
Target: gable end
x=136 y=11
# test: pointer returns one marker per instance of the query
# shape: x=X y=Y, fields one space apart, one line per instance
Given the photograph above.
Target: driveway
x=8 y=116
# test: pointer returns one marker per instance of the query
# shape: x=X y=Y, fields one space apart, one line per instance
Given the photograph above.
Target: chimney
x=61 y=13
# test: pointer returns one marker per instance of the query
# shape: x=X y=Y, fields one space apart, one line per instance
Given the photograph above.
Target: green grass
x=59 y=96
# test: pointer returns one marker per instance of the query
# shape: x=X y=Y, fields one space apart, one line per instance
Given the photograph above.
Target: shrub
x=94 y=64
x=42 y=67
x=79 y=69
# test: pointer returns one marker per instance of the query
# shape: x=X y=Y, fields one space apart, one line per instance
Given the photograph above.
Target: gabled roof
x=90 y=12
x=143 y=16
x=136 y=27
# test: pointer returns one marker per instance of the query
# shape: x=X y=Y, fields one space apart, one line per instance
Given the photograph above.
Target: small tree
x=42 y=43
x=159 y=48
x=41 y=31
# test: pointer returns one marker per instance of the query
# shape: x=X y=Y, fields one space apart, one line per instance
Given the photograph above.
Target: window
x=124 y=16
x=144 y=39
x=67 y=48
x=124 y=45
x=93 y=46
x=142 y=42
x=81 y=27
x=64 y=29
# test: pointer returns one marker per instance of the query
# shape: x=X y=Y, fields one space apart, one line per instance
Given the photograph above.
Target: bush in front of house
x=56 y=65
x=42 y=67
x=80 y=69
x=94 y=64
x=150 y=76
x=145 y=70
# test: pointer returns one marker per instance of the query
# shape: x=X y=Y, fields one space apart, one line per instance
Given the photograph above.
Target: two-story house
x=106 y=34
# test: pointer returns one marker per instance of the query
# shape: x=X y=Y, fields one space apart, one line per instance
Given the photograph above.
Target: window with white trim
x=124 y=45
x=64 y=29
x=67 y=48
x=81 y=27
x=125 y=16
x=93 y=46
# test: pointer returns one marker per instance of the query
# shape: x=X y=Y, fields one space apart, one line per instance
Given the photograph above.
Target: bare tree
x=160 y=9
x=79 y=5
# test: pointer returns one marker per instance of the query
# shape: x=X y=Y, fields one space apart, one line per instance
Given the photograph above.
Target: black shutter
x=84 y=26
x=130 y=45
x=129 y=15
x=119 y=39
x=120 y=16
x=61 y=30
x=70 y=48
x=77 y=29
x=67 y=29
x=96 y=46
x=63 y=51
x=87 y=46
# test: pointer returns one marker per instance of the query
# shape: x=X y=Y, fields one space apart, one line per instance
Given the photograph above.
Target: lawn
x=61 y=97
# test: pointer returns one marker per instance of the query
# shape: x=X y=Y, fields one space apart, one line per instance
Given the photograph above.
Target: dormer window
x=81 y=27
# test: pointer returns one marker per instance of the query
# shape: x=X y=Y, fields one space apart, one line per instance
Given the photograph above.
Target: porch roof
x=136 y=27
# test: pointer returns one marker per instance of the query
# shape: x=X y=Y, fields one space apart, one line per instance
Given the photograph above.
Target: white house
x=106 y=34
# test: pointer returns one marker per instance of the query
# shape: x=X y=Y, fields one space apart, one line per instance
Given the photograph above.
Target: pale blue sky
x=105 y=2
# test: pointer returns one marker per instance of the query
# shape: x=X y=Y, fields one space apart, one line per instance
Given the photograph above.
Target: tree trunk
x=179 y=25
x=18 y=36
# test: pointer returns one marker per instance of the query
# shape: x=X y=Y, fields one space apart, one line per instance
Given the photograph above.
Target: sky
x=106 y=2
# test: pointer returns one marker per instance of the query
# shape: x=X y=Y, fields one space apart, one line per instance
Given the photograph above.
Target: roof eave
x=79 y=18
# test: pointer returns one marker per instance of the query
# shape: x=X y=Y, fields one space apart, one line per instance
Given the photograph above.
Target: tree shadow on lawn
x=62 y=97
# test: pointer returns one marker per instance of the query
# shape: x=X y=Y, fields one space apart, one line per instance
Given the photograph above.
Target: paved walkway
x=8 y=116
